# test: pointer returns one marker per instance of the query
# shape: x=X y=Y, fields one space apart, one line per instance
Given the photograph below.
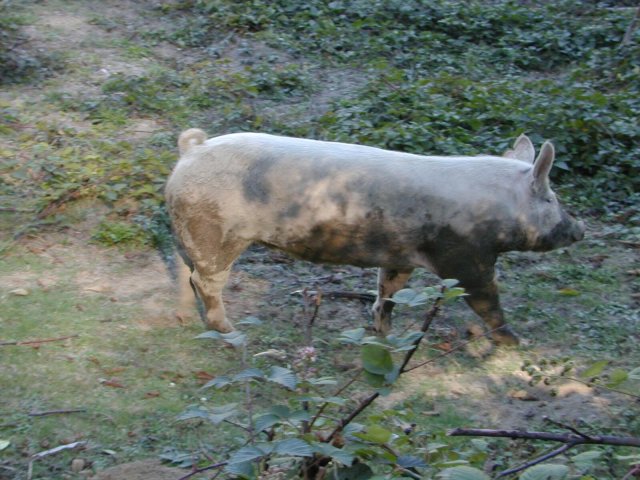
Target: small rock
x=523 y=395
x=21 y=292
x=77 y=465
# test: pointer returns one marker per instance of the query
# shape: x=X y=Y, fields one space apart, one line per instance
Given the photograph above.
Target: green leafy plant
x=600 y=374
x=310 y=425
x=118 y=233
x=17 y=61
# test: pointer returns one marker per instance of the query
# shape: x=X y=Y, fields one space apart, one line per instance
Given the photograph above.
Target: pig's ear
x=542 y=165
x=522 y=150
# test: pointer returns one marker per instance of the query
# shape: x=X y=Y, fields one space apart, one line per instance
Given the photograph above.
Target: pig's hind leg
x=389 y=282
x=209 y=278
x=212 y=256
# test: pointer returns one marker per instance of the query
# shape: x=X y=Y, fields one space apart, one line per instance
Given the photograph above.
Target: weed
x=17 y=61
x=118 y=233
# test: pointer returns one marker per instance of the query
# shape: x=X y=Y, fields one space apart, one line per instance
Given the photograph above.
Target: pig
x=341 y=203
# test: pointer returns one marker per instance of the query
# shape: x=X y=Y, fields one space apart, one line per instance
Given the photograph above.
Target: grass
x=70 y=148
x=131 y=383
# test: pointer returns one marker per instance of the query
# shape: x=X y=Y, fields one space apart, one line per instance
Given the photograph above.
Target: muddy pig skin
x=351 y=204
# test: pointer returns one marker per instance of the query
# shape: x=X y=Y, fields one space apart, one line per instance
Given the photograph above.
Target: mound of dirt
x=141 y=470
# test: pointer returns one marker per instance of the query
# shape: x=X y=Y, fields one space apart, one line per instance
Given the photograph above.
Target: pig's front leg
x=484 y=300
x=389 y=282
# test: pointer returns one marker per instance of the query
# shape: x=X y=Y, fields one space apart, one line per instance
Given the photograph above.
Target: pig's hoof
x=381 y=331
x=505 y=337
x=222 y=326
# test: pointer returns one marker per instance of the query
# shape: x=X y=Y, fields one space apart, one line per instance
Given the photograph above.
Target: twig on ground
x=15 y=210
x=567 y=427
x=634 y=472
x=51 y=451
x=628 y=35
x=203 y=469
x=535 y=461
x=316 y=298
x=364 y=297
x=36 y=342
x=570 y=440
x=57 y=412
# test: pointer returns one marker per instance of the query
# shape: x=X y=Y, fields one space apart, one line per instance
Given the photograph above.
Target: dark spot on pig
x=292 y=211
x=377 y=240
x=453 y=256
x=182 y=253
x=364 y=244
x=255 y=185
x=340 y=201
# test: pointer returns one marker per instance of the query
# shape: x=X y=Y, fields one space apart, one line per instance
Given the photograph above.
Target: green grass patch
x=442 y=77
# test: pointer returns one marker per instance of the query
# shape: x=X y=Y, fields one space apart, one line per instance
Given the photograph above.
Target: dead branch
x=634 y=472
x=566 y=427
x=51 y=451
x=15 y=210
x=36 y=342
x=363 y=297
x=552 y=437
x=57 y=449
x=196 y=471
x=570 y=440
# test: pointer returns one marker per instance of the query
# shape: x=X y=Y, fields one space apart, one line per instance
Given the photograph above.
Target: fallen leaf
x=97 y=288
x=111 y=383
x=635 y=272
x=111 y=371
x=522 y=395
x=20 y=292
x=4 y=444
x=568 y=292
x=151 y=394
x=202 y=375
x=444 y=346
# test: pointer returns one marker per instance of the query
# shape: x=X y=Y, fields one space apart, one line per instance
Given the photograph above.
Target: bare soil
x=263 y=283
x=140 y=470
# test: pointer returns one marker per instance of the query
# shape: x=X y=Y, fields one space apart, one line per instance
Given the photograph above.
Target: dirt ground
x=142 y=470
x=261 y=279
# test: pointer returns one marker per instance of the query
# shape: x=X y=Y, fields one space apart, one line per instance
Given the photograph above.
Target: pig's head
x=545 y=223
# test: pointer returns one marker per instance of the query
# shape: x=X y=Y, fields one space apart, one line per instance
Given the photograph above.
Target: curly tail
x=190 y=138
